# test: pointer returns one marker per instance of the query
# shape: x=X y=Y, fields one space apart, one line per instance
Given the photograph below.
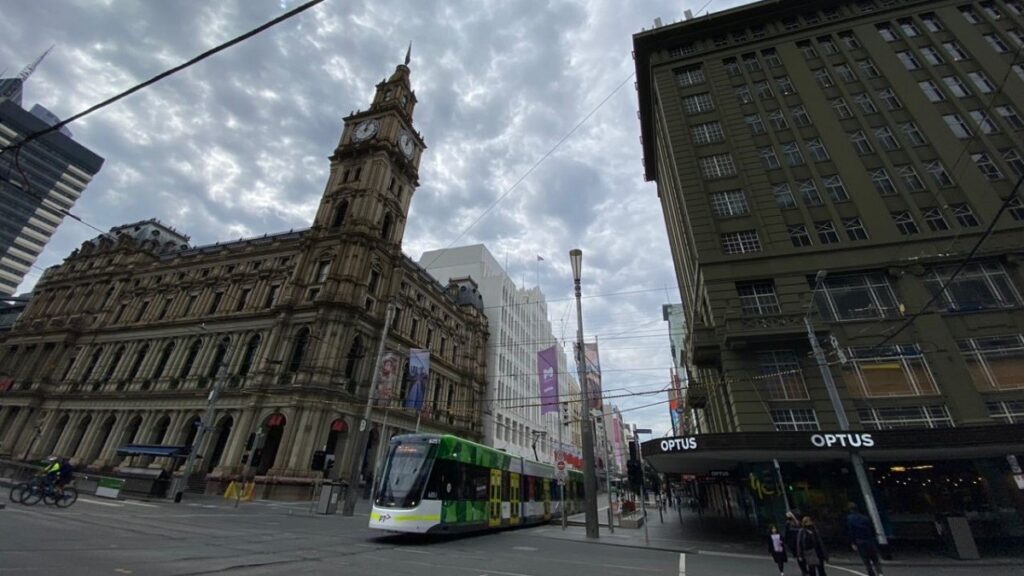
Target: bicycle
x=30 y=493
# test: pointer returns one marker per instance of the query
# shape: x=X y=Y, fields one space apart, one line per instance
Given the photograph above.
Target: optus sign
x=842 y=440
x=678 y=444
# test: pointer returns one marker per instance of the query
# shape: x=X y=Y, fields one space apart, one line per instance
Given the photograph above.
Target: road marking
x=98 y=503
x=847 y=570
x=682 y=565
x=143 y=504
x=411 y=551
x=525 y=548
x=122 y=571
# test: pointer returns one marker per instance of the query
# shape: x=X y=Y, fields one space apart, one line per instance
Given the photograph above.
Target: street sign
x=642 y=431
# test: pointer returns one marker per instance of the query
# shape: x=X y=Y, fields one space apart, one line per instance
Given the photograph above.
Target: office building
x=39 y=183
x=839 y=161
x=519 y=329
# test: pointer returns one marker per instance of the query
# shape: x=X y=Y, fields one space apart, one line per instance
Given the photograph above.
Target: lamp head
x=821 y=275
x=576 y=258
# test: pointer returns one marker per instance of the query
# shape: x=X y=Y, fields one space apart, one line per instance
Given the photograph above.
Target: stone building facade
x=122 y=343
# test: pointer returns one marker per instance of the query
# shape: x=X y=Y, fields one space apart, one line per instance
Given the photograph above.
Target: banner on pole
x=593 y=375
x=387 y=378
x=419 y=376
x=547 y=375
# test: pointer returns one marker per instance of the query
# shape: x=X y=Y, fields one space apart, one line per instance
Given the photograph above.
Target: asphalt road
x=209 y=536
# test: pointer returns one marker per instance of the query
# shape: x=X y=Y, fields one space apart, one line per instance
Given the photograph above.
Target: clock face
x=406 y=144
x=365 y=129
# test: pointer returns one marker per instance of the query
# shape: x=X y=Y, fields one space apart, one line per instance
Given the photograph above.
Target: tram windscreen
x=405 y=472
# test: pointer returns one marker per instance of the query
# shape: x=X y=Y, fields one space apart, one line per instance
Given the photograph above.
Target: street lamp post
x=844 y=423
x=589 y=476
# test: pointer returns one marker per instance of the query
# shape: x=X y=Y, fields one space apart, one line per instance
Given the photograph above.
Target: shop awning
x=703 y=453
x=153 y=450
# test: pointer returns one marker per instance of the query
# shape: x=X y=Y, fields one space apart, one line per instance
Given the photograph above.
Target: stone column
x=67 y=433
x=24 y=430
x=284 y=450
x=305 y=441
x=85 y=446
x=109 y=449
x=240 y=430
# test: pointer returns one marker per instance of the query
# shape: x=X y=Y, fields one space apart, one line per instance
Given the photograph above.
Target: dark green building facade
x=873 y=140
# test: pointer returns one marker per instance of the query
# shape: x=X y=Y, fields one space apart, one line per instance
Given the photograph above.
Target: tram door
x=547 y=499
x=494 y=500
x=515 y=490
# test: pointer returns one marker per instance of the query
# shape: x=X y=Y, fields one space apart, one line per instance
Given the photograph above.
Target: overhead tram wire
x=963 y=264
x=166 y=74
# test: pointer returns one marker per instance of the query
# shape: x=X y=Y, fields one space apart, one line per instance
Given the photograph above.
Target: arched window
x=190 y=359
x=140 y=356
x=164 y=358
x=92 y=364
x=113 y=363
x=249 y=357
x=355 y=354
x=218 y=356
x=339 y=214
x=71 y=364
x=299 y=346
x=385 y=228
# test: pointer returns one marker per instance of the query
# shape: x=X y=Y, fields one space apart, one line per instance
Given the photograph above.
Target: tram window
x=505 y=488
x=444 y=481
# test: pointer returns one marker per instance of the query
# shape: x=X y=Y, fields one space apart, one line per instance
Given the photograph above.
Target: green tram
x=441 y=484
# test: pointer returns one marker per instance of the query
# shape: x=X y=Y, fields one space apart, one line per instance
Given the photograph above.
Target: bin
x=330 y=493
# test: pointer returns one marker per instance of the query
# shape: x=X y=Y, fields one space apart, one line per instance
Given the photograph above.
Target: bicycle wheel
x=49 y=496
x=69 y=497
x=18 y=491
x=33 y=495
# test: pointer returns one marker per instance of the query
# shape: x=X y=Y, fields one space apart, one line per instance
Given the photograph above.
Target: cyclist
x=51 y=471
x=64 y=476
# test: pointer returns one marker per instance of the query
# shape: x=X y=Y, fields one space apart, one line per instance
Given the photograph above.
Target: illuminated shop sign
x=842 y=440
x=678 y=444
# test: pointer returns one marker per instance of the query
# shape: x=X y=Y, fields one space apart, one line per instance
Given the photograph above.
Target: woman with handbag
x=810 y=549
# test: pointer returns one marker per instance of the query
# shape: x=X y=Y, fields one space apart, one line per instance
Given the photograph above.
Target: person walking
x=863 y=539
x=810 y=548
x=777 y=549
x=789 y=535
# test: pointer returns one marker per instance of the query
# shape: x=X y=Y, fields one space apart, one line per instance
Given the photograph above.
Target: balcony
x=740 y=331
x=706 y=347
x=696 y=395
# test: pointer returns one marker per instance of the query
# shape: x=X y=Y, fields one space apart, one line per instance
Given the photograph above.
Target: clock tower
x=375 y=168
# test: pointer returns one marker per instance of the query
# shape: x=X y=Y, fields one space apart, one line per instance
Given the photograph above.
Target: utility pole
x=844 y=423
x=643 y=479
x=351 y=495
x=607 y=467
x=589 y=476
x=563 y=421
x=205 y=423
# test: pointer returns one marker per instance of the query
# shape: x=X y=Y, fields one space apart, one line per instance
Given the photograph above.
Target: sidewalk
x=691 y=534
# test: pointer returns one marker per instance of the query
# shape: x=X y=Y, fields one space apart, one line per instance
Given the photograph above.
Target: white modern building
x=519 y=328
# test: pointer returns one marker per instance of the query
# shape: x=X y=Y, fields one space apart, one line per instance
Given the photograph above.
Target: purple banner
x=547 y=374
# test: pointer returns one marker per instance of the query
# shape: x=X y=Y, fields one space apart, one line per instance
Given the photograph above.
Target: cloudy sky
x=237 y=145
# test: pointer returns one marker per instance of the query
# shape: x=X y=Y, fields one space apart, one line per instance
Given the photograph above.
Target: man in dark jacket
x=862 y=536
x=789 y=534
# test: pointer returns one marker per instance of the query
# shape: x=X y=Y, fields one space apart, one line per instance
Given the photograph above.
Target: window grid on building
x=1006 y=411
x=729 y=203
x=758 y=297
x=826 y=231
x=717 y=166
x=781 y=375
x=690 y=75
x=858 y=296
x=798 y=235
x=888 y=371
x=889 y=418
x=743 y=242
x=855 y=229
x=795 y=420
x=995 y=363
x=905 y=223
x=707 y=132
x=934 y=219
x=979 y=286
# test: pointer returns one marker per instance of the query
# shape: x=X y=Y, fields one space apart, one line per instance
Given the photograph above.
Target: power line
x=286 y=16
x=952 y=277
